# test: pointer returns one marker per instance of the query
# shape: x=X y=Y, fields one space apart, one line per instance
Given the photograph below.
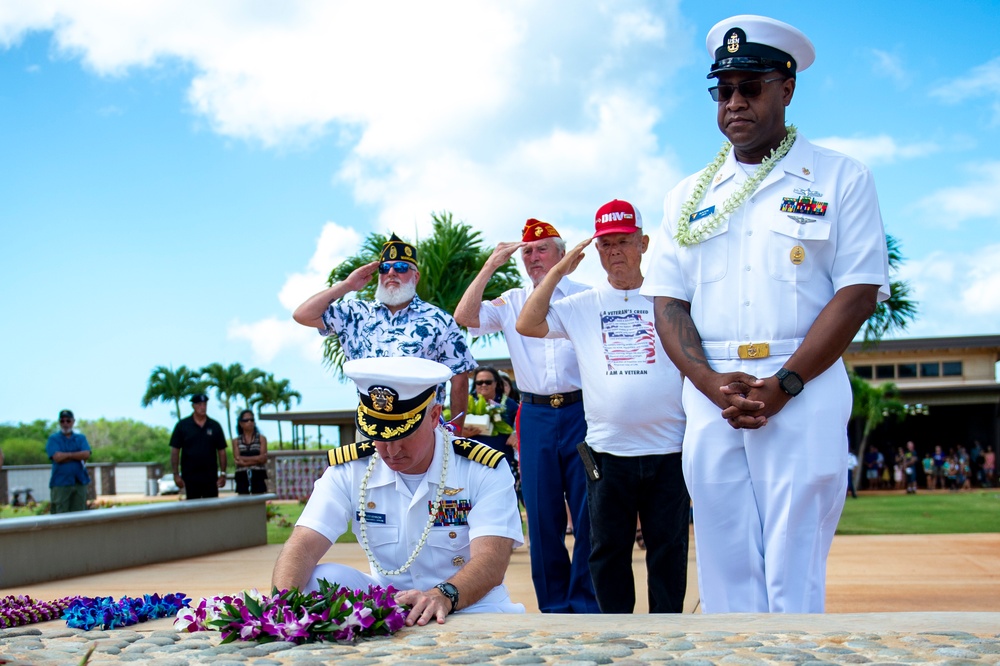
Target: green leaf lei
x=685 y=237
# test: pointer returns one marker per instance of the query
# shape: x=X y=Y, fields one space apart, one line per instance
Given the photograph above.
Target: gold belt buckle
x=754 y=350
x=556 y=400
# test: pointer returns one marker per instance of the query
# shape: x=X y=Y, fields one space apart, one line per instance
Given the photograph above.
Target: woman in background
x=250 y=455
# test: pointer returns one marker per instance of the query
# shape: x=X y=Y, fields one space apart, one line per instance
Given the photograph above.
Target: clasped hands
x=748 y=401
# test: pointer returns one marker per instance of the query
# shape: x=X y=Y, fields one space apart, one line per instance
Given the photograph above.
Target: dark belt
x=554 y=400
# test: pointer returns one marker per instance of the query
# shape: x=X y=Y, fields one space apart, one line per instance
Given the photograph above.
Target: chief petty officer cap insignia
x=758 y=44
x=396 y=249
x=394 y=393
x=350 y=452
x=478 y=452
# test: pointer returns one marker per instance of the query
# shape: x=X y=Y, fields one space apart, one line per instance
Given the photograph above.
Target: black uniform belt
x=554 y=400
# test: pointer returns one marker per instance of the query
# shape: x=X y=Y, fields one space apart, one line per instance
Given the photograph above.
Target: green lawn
x=281 y=519
x=923 y=513
x=879 y=513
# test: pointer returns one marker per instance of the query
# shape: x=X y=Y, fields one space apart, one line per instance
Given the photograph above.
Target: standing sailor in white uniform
x=767 y=264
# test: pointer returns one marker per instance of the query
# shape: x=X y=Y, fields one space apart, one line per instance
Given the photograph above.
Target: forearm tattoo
x=674 y=323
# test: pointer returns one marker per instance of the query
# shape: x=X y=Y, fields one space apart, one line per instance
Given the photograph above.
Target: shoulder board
x=350 y=452
x=477 y=452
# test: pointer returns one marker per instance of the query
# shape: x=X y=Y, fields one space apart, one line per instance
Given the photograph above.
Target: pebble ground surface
x=157 y=644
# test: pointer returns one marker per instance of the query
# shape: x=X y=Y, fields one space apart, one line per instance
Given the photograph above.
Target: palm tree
x=227 y=382
x=449 y=260
x=166 y=385
x=248 y=386
x=872 y=406
x=276 y=393
x=893 y=314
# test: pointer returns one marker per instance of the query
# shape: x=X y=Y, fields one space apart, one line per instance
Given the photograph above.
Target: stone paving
x=557 y=640
x=870 y=574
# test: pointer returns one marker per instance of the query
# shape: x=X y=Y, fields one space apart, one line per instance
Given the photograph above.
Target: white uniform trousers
x=767 y=501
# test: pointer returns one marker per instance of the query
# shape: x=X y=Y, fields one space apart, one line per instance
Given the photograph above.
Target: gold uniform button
x=452 y=535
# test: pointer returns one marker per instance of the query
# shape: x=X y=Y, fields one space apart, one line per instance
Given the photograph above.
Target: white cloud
x=875 y=150
x=496 y=110
x=270 y=336
x=953 y=205
x=981 y=81
x=482 y=108
x=958 y=293
x=891 y=66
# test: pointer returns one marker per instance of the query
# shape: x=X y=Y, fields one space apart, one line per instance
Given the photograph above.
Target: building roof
x=955 y=343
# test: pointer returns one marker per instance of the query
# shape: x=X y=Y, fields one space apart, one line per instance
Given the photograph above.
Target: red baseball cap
x=537 y=230
x=617 y=217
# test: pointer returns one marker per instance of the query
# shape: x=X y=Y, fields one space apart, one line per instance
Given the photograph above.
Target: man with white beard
x=396 y=323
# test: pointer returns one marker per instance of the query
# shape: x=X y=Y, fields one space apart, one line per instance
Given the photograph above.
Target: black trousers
x=652 y=488
x=200 y=487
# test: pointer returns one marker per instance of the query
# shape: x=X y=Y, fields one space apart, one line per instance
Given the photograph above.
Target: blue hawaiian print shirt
x=367 y=329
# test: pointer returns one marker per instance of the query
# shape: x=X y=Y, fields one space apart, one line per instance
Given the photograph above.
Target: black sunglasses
x=246 y=420
x=752 y=88
x=399 y=266
x=483 y=382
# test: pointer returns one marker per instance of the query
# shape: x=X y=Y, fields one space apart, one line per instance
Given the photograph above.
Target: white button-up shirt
x=543 y=366
x=483 y=504
x=812 y=227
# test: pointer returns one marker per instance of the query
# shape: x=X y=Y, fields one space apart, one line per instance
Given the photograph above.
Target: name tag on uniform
x=371 y=517
x=704 y=212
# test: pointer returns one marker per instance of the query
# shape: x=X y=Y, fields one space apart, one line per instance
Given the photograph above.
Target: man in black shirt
x=198 y=446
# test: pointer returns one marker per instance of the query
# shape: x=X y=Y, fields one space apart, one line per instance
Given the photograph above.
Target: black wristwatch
x=789 y=381
x=450 y=591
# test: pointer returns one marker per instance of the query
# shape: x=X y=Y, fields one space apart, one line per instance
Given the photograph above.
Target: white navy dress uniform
x=477 y=499
x=767 y=501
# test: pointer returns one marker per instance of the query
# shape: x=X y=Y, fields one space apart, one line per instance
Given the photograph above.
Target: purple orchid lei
x=332 y=613
x=89 y=612
x=22 y=609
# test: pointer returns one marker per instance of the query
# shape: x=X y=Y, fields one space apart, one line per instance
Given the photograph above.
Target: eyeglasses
x=65 y=420
x=752 y=88
x=484 y=382
x=246 y=420
x=399 y=266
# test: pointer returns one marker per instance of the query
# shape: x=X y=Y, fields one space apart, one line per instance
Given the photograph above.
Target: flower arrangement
x=332 y=613
x=686 y=236
x=104 y=612
x=22 y=609
x=494 y=411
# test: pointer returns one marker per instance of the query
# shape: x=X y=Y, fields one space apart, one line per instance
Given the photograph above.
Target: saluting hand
x=502 y=254
x=361 y=276
x=572 y=258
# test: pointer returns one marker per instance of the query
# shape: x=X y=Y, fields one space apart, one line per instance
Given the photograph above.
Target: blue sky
x=176 y=176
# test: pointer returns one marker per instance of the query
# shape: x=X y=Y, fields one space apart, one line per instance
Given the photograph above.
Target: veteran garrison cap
x=537 y=230
x=393 y=393
x=758 y=44
x=396 y=249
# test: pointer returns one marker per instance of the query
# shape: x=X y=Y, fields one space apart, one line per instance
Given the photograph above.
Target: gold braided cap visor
x=385 y=426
